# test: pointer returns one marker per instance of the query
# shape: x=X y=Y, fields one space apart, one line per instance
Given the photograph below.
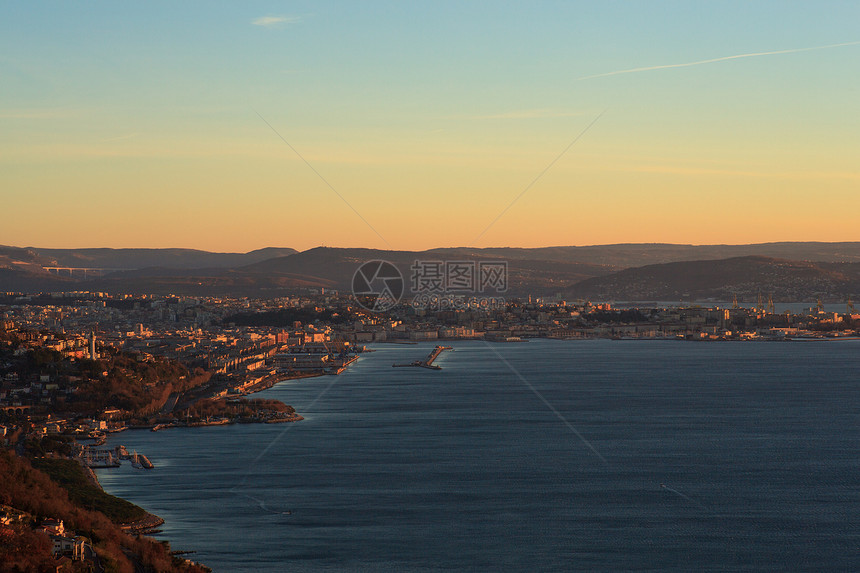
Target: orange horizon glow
x=232 y=135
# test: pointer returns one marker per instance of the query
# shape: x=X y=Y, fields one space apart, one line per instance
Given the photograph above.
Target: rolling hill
x=788 y=271
x=744 y=277
x=167 y=258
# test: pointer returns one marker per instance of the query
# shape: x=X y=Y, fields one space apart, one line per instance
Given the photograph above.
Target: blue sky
x=123 y=116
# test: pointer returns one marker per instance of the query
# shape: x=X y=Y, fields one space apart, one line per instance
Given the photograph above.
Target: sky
x=235 y=126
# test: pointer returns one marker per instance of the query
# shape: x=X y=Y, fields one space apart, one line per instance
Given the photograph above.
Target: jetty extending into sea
x=427 y=362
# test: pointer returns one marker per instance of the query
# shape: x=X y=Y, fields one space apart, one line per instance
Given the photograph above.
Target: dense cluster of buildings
x=202 y=333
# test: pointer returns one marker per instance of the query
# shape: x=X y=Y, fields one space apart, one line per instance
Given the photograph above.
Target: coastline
x=140 y=526
x=149 y=523
x=143 y=525
x=264 y=384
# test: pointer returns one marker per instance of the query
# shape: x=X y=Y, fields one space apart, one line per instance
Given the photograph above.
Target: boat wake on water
x=688 y=498
x=261 y=504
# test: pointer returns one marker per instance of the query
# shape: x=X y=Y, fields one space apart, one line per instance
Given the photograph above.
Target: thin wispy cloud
x=120 y=137
x=59 y=113
x=772 y=174
x=714 y=60
x=530 y=114
x=276 y=21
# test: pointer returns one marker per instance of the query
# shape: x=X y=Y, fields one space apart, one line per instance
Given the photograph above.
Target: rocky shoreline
x=143 y=525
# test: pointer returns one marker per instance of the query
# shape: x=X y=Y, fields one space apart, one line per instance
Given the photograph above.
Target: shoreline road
x=170 y=404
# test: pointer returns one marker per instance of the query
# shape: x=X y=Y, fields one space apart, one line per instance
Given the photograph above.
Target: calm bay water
x=710 y=456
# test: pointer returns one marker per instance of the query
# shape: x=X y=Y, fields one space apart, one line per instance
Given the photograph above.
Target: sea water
x=538 y=456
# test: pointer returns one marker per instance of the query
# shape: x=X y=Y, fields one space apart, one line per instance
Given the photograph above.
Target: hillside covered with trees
x=30 y=495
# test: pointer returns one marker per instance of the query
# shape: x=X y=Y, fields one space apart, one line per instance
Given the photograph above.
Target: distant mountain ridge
x=605 y=272
x=623 y=255
x=337 y=266
x=142 y=258
x=743 y=277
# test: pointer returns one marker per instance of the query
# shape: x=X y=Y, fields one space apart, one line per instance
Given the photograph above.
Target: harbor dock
x=427 y=362
x=94 y=458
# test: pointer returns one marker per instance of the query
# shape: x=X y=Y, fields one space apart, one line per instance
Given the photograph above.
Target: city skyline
x=232 y=128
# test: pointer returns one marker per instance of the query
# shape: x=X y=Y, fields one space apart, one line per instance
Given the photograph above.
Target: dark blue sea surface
x=539 y=456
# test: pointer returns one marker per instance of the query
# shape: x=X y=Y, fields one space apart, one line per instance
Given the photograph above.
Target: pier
x=427 y=362
x=140 y=461
x=340 y=364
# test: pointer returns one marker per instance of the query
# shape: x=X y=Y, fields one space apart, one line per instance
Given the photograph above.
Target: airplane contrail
x=721 y=59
